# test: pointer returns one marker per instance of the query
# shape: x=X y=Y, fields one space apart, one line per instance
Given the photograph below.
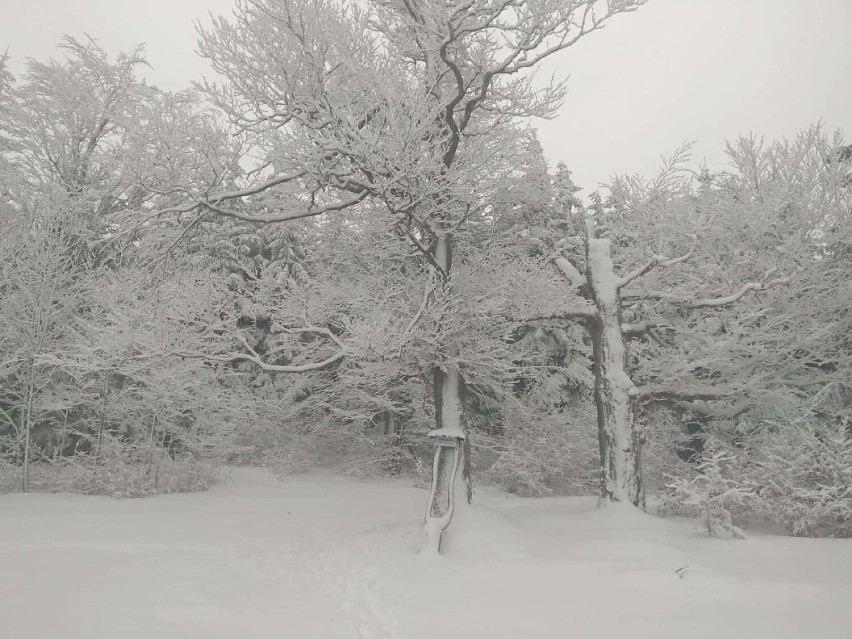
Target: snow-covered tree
x=65 y=123
x=74 y=157
x=745 y=324
x=42 y=296
x=395 y=107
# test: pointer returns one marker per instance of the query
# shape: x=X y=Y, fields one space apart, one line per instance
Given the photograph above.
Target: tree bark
x=616 y=399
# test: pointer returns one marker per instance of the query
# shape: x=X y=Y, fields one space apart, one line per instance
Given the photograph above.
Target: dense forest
x=349 y=251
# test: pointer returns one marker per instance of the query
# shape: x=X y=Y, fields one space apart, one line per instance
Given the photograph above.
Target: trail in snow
x=316 y=556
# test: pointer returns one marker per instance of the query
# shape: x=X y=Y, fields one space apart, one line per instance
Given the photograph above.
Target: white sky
x=675 y=70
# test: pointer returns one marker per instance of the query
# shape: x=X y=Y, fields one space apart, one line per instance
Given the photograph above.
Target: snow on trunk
x=450 y=488
x=619 y=429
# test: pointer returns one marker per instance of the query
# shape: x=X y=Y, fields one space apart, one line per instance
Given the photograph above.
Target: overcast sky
x=676 y=70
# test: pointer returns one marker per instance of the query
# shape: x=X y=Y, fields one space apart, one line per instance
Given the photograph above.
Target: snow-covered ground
x=316 y=556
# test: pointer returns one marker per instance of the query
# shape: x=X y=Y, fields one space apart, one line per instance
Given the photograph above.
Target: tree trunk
x=28 y=427
x=25 y=478
x=390 y=423
x=448 y=492
x=616 y=400
x=392 y=428
x=150 y=462
x=102 y=421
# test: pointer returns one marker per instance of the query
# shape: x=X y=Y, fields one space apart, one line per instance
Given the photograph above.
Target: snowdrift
x=316 y=556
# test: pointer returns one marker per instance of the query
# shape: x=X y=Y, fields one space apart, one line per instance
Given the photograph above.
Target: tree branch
x=570 y=272
x=715 y=412
x=427 y=293
x=255 y=358
x=730 y=299
x=655 y=261
x=198 y=219
x=311 y=211
x=651 y=391
x=257 y=188
x=272 y=368
x=577 y=313
x=707 y=302
x=640 y=328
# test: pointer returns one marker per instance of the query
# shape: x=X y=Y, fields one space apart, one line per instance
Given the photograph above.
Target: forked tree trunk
x=451 y=486
x=619 y=428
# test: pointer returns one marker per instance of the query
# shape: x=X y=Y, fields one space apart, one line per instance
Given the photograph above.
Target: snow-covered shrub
x=716 y=494
x=134 y=470
x=660 y=461
x=805 y=474
x=10 y=476
x=115 y=476
x=343 y=433
x=362 y=453
x=545 y=455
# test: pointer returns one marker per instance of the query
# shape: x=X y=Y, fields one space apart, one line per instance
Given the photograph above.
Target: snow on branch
x=661 y=391
x=535 y=35
x=730 y=299
x=654 y=262
x=278 y=368
x=570 y=272
x=716 y=412
x=254 y=357
x=638 y=329
x=708 y=302
x=310 y=211
x=576 y=313
x=257 y=188
x=427 y=293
